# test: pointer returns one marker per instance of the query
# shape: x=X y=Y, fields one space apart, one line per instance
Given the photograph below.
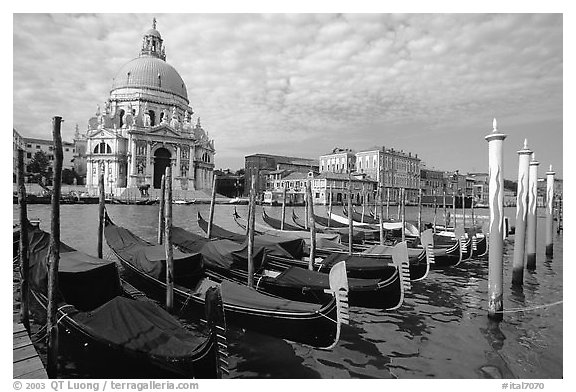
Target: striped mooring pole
x=549 y=211
x=496 y=242
x=521 y=214
x=532 y=214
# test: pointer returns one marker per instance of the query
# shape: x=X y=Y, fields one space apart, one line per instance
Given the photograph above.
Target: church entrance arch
x=161 y=161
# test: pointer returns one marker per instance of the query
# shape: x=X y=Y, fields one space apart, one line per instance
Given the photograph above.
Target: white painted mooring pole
x=496 y=242
x=532 y=214
x=521 y=214
x=549 y=211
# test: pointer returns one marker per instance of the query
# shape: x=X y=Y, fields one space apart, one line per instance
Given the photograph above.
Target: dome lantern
x=152 y=43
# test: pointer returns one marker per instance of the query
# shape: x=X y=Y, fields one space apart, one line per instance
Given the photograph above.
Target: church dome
x=150 y=72
x=153 y=32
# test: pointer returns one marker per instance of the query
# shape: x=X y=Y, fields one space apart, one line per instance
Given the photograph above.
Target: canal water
x=440 y=332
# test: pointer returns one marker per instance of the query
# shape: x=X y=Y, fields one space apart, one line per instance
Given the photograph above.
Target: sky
x=303 y=84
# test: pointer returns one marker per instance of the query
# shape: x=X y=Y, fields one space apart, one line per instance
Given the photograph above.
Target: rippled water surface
x=441 y=331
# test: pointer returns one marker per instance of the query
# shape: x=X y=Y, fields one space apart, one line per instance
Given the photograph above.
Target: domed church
x=146 y=125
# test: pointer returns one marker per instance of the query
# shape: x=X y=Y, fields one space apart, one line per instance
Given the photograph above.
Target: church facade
x=145 y=125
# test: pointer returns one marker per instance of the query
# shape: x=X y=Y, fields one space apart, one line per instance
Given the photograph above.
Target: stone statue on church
x=146 y=116
x=164 y=117
x=128 y=120
x=174 y=122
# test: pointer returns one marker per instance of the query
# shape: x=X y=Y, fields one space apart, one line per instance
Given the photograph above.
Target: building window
x=102 y=148
x=28 y=146
x=37 y=146
x=28 y=155
x=66 y=149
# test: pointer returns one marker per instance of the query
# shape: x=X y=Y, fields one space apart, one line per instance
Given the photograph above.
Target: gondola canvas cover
x=148 y=258
x=83 y=280
x=300 y=277
x=141 y=326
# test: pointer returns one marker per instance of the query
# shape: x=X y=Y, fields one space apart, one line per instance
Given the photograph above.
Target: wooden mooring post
x=23 y=245
x=168 y=241
x=420 y=210
x=350 y=221
x=330 y=207
x=532 y=214
x=464 y=210
x=161 y=209
x=435 y=213
x=212 y=204
x=445 y=209
x=521 y=214
x=54 y=252
x=283 y=208
x=387 y=203
x=312 y=225
x=251 y=222
x=549 y=212
x=403 y=204
x=560 y=213
x=496 y=241
x=381 y=214
x=399 y=203
x=101 y=206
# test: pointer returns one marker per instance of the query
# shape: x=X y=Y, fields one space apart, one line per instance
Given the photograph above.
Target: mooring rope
x=516 y=310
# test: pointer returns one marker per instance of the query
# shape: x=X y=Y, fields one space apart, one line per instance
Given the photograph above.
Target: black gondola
x=115 y=328
x=279 y=273
x=317 y=325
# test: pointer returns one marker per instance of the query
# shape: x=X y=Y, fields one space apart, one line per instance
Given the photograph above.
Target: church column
x=132 y=170
x=148 y=159
x=191 y=170
x=177 y=172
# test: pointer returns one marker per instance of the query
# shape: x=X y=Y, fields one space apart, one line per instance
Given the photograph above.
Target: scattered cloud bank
x=302 y=84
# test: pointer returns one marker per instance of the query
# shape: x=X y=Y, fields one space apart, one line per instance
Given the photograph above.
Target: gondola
x=277 y=223
x=265 y=229
x=115 y=328
x=325 y=222
x=379 y=285
x=317 y=325
x=366 y=264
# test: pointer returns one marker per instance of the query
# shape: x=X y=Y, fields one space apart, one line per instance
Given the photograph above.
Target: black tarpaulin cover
x=357 y=262
x=227 y=254
x=300 y=277
x=244 y=296
x=148 y=258
x=140 y=326
x=83 y=281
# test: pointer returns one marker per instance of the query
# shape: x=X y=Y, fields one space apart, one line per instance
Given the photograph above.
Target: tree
x=68 y=177
x=40 y=167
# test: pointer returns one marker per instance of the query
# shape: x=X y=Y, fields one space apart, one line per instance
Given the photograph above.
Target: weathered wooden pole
x=306 y=207
x=363 y=203
x=387 y=203
x=435 y=212
x=472 y=207
x=464 y=210
x=283 y=209
x=101 y=201
x=54 y=255
x=403 y=203
x=560 y=217
x=350 y=221
x=212 y=204
x=454 y=196
x=168 y=241
x=312 y=226
x=521 y=214
x=420 y=210
x=496 y=242
x=532 y=214
x=381 y=214
x=399 y=203
x=549 y=211
x=445 y=211
x=23 y=245
x=251 y=222
x=161 y=209
x=330 y=206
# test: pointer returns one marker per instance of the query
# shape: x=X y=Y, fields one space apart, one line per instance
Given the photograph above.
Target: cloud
x=263 y=82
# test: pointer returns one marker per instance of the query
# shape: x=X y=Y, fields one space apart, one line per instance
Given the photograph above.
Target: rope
x=323 y=315
x=530 y=308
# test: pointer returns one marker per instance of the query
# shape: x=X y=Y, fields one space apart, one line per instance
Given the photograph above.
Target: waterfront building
x=33 y=145
x=145 y=125
x=432 y=182
x=80 y=157
x=480 y=188
x=262 y=166
x=340 y=160
x=399 y=170
x=363 y=188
